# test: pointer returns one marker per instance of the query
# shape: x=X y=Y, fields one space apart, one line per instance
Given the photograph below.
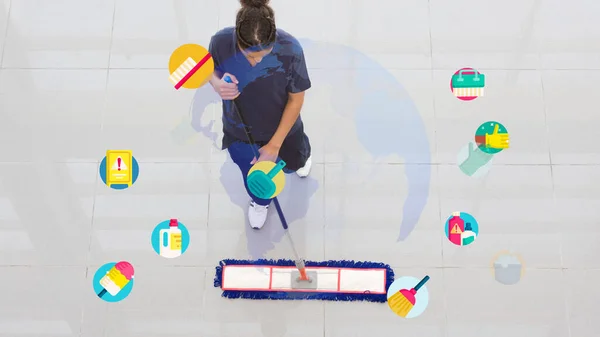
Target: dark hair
x=255 y=24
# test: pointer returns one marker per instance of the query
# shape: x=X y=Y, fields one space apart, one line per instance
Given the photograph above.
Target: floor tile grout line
x=7 y=26
x=167 y=162
x=207 y=266
x=311 y=68
x=560 y=233
x=112 y=28
x=91 y=238
x=437 y=172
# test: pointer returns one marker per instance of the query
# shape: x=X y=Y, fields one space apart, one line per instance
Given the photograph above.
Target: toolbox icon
x=467 y=84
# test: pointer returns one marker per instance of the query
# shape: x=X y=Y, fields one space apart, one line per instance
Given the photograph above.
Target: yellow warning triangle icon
x=119 y=165
x=456 y=229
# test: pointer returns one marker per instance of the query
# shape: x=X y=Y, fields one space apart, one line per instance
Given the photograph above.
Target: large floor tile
x=513 y=98
x=42 y=34
x=225 y=317
x=582 y=299
x=570 y=97
x=164 y=301
x=374 y=30
x=514 y=208
x=375 y=115
x=481 y=34
x=42 y=301
x=46 y=213
x=147 y=41
x=577 y=189
x=371 y=208
x=477 y=305
x=51 y=115
x=378 y=319
x=568 y=34
x=124 y=219
x=381 y=196
x=143 y=111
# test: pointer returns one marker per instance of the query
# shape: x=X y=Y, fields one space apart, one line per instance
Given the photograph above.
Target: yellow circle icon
x=262 y=180
x=190 y=66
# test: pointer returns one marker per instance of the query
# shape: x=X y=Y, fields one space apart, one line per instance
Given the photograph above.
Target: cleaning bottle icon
x=170 y=240
x=468 y=236
x=456 y=227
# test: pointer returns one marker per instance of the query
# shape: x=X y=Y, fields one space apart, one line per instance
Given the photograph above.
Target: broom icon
x=403 y=301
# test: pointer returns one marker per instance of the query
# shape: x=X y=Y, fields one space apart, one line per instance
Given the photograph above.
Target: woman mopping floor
x=268 y=64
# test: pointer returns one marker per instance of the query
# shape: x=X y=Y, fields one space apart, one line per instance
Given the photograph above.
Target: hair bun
x=254 y=3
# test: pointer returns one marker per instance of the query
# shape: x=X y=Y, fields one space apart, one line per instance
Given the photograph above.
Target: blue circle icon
x=170 y=239
x=461 y=228
x=122 y=173
x=113 y=281
x=397 y=301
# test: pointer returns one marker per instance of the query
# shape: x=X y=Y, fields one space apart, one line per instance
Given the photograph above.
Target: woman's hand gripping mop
x=299 y=279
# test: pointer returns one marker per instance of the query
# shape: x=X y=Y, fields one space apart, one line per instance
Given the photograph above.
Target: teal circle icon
x=121 y=176
x=113 y=281
x=401 y=288
x=170 y=239
x=492 y=137
x=461 y=229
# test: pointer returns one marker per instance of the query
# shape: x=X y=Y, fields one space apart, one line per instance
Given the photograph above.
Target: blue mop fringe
x=283 y=295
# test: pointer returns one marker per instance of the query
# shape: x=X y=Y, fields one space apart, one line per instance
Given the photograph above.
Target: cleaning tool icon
x=467 y=84
x=403 y=301
x=170 y=238
x=190 y=66
x=261 y=179
x=114 y=281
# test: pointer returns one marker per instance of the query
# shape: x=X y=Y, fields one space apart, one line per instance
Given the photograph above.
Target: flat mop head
x=329 y=280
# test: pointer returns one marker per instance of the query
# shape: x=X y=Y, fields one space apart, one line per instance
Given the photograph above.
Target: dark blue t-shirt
x=264 y=87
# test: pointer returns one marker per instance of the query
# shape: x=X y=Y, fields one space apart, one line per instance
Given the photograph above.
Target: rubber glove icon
x=497 y=140
x=476 y=160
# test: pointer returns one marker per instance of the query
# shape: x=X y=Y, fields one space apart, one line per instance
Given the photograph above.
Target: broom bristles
x=400 y=304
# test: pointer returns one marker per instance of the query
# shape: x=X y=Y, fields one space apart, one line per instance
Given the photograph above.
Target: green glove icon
x=476 y=160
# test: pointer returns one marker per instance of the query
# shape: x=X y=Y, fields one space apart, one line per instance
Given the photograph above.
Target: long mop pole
x=299 y=262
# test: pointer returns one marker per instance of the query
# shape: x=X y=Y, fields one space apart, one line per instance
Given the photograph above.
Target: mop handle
x=246 y=127
x=420 y=284
x=256 y=154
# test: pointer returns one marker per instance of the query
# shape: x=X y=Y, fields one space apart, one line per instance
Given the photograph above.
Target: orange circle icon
x=190 y=66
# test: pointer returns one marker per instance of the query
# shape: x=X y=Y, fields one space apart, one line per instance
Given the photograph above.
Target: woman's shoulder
x=226 y=32
x=288 y=43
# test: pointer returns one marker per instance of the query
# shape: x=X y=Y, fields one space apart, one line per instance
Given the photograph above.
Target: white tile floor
x=79 y=77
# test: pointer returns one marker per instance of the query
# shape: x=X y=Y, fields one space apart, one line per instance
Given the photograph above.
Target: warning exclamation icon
x=119 y=164
x=456 y=230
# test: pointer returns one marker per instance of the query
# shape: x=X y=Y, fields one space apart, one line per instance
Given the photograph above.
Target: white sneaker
x=257 y=215
x=304 y=171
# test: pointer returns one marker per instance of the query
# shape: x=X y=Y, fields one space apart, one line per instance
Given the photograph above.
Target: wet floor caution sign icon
x=119 y=169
